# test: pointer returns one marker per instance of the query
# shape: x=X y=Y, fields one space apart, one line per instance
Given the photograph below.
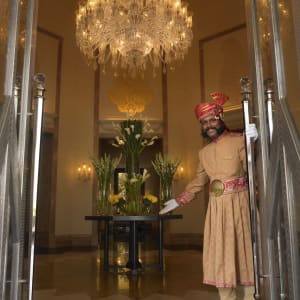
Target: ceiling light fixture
x=132 y=33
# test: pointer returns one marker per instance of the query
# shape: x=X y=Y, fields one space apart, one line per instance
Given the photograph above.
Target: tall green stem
x=132 y=163
x=165 y=190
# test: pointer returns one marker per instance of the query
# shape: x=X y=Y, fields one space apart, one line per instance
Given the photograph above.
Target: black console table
x=133 y=257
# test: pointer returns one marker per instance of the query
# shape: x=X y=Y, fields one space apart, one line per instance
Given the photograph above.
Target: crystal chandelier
x=132 y=33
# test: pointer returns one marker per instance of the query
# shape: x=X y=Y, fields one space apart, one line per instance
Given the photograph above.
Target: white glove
x=251 y=131
x=169 y=205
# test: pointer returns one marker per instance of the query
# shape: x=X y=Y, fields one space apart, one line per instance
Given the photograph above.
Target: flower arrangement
x=130 y=199
x=149 y=200
x=165 y=169
x=132 y=140
x=117 y=201
x=104 y=168
x=131 y=190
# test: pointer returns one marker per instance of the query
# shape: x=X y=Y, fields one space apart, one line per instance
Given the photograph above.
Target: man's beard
x=219 y=131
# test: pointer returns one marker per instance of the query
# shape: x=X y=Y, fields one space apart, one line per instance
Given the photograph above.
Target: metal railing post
x=269 y=92
x=246 y=92
x=39 y=80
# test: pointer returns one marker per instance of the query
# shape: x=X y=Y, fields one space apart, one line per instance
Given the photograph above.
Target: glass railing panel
x=290 y=43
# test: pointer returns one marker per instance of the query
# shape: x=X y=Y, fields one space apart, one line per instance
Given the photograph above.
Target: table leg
x=161 y=244
x=99 y=233
x=106 y=246
x=133 y=259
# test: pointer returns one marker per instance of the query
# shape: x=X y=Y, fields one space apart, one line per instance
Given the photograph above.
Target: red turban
x=202 y=110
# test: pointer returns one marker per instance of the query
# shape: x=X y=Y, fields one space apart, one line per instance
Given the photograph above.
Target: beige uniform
x=227 y=251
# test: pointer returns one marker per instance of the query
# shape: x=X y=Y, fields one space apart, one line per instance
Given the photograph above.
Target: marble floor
x=80 y=276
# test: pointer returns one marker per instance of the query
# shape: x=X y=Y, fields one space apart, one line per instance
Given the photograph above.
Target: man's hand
x=251 y=131
x=169 y=205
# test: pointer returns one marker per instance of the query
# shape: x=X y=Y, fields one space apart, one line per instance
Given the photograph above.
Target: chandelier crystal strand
x=133 y=33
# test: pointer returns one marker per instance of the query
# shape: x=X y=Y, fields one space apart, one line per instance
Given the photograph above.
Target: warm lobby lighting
x=131 y=96
x=84 y=172
x=179 y=174
x=133 y=32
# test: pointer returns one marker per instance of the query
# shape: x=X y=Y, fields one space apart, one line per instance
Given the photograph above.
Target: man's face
x=212 y=127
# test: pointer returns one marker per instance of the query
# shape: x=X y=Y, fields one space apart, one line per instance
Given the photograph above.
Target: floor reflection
x=80 y=275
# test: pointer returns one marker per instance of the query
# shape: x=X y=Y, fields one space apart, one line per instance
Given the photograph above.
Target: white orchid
x=120 y=141
x=133 y=180
x=127 y=130
x=145 y=175
x=132 y=136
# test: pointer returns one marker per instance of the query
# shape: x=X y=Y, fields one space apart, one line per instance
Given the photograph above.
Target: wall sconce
x=179 y=174
x=84 y=172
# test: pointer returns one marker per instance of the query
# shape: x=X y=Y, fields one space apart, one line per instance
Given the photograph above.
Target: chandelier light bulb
x=133 y=33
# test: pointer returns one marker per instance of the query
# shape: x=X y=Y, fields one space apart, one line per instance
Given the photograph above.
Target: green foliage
x=165 y=167
x=104 y=168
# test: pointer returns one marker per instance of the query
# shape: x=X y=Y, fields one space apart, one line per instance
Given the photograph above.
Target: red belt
x=220 y=187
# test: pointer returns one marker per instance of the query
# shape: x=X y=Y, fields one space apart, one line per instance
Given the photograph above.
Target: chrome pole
x=15 y=200
x=17 y=94
x=269 y=92
x=4 y=221
x=275 y=220
x=37 y=132
x=271 y=218
x=246 y=92
x=283 y=292
x=9 y=76
x=4 y=206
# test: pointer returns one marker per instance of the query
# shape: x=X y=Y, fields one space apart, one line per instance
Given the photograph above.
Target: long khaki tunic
x=227 y=250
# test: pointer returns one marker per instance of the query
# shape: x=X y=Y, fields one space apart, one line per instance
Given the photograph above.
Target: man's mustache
x=214 y=128
x=219 y=131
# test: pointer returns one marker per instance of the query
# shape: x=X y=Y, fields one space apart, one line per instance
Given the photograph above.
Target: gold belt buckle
x=217 y=187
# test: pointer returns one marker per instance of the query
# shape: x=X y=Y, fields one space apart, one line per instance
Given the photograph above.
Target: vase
x=134 y=202
x=148 y=210
x=119 y=209
x=165 y=191
x=103 y=205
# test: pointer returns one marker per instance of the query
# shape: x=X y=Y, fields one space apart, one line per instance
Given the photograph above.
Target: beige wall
x=109 y=111
x=76 y=115
x=47 y=56
x=75 y=132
